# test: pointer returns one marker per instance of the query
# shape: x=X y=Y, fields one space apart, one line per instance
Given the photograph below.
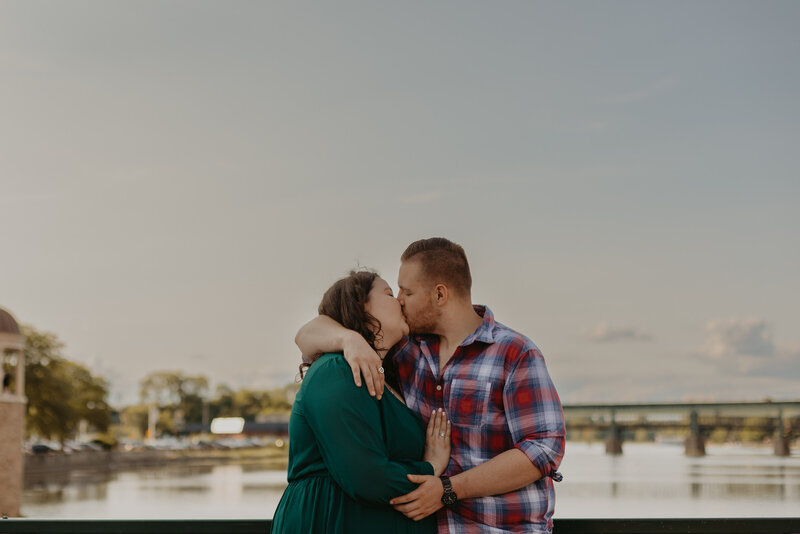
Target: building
x=12 y=413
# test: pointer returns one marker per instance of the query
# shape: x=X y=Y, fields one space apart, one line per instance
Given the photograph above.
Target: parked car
x=41 y=448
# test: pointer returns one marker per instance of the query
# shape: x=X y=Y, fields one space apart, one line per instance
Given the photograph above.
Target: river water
x=648 y=480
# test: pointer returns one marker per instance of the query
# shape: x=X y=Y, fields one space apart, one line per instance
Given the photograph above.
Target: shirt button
x=439 y=388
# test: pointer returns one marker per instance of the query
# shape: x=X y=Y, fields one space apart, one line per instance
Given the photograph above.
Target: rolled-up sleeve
x=533 y=412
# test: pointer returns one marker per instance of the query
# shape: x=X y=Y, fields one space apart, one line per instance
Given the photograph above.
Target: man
x=508 y=426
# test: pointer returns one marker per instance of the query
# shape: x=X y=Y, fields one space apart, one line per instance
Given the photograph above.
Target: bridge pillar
x=695 y=444
x=781 y=438
x=782 y=447
x=613 y=446
x=614 y=440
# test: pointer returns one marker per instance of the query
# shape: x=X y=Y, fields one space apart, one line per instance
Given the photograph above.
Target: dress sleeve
x=348 y=427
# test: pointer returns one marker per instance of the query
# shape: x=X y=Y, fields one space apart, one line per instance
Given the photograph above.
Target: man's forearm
x=321 y=334
x=508 y=471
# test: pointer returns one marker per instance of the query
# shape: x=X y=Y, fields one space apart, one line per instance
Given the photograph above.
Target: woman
x=348 y=452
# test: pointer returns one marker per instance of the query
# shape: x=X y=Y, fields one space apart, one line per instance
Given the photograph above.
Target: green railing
x=771 y=525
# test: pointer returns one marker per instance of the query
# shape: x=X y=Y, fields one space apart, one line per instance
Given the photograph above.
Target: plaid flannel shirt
x=498 y=395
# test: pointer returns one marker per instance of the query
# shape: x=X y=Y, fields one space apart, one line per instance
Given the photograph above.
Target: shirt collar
x=485 y=331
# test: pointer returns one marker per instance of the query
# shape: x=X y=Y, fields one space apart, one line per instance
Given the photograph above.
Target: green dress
x=349 y=454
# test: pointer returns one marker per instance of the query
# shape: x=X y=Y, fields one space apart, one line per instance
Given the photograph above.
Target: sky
x=181 y=181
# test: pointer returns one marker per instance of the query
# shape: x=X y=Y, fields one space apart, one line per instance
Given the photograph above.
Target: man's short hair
x=443 y=262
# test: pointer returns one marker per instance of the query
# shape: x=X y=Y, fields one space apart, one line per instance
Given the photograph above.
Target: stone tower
x=12 y=413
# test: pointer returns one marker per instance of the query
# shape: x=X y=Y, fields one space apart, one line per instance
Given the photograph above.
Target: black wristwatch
x=449 y=498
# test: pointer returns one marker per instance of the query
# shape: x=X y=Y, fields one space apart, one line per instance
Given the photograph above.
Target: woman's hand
x=363 y=360
x=437 y=442
x=323 y=334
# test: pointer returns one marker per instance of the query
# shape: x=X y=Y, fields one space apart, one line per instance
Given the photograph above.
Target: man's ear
x=441 y=294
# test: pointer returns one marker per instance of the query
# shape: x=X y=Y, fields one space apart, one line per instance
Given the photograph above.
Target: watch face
x=449 y=498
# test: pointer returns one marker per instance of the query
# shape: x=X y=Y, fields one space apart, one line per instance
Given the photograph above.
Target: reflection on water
x=651 y=480
x=648 y=480
x=221 y=491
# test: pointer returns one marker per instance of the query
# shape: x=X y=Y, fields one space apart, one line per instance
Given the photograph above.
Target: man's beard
x=425 y=322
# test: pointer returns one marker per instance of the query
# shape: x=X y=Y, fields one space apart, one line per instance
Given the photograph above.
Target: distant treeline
x=61 y=394
x=183 y=399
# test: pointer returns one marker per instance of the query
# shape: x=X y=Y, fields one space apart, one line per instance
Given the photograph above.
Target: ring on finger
x=380 y=369
x=441 y=434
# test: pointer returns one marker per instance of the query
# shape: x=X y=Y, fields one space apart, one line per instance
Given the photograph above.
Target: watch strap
x=449 y=496
x=446 y=483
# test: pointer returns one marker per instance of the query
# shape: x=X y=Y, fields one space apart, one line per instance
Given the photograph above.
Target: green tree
x=251 y=404
x=247 y=403
x=193 y=393
x=179 y=398
x=162 y=388
x=89 y=398
x=60 y=393
x=755 y=430
x=135 y=418
x=222 y=404
x=279 y=401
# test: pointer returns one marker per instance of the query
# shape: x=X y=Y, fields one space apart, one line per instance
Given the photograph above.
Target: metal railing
x=771 y=525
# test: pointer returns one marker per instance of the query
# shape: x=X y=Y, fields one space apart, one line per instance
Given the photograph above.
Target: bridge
x=779 y=419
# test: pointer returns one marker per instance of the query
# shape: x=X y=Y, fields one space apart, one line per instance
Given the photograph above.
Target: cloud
x=785 y=363
x=738 y=361
x=739 y=337
x=744 y=347
x=606 y=333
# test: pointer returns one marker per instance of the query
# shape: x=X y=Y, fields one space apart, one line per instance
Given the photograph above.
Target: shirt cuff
x=541 y=458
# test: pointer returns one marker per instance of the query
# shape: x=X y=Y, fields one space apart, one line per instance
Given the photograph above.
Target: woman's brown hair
x=345 y=302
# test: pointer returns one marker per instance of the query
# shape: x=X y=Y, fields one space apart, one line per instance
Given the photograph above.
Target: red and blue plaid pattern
x=498 y=394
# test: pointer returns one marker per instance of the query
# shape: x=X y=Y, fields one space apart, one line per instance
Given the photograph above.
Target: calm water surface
x=648 y=480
